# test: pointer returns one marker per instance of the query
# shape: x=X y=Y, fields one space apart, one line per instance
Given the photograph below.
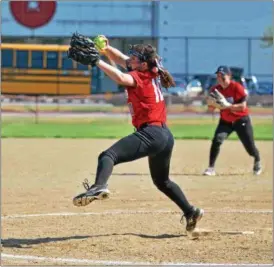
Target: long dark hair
x=147 y=53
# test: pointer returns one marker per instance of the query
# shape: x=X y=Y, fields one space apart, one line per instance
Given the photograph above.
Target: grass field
x=190 y=128
x=174 y=108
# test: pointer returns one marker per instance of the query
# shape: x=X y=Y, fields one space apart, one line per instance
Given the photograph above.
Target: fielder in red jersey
x=233 y=118
x=234 y=93
x=143 y=81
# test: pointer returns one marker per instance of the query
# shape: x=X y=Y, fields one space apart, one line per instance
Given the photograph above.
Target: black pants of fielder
x=244 y=130
x=153 y=142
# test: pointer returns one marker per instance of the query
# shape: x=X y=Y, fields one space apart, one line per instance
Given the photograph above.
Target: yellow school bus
x=36 y=69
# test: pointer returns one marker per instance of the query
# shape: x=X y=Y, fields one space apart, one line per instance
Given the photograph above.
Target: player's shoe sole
x=86 y=198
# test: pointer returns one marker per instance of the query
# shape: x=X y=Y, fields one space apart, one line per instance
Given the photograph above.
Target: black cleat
x=94 y=192
x=193 y=218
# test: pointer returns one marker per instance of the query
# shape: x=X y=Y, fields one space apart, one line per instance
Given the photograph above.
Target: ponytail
x=166 y=79
x=147 y=53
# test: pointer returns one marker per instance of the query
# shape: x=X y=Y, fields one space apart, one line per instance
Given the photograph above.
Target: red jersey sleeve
x=136 y=77
x=240 y=93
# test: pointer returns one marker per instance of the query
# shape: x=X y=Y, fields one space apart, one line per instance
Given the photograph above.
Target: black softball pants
x=150 y=141
x=243 y=128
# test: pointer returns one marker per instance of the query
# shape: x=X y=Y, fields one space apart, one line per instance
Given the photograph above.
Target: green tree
x=267 y=38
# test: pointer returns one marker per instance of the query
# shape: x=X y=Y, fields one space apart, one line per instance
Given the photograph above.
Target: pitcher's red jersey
x=146 y=102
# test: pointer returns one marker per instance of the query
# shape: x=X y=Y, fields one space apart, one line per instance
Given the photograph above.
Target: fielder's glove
x=82 y=49
x=217 y=100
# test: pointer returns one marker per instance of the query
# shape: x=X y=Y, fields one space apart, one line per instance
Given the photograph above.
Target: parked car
x=252 y=84
x=206 y=80
x=194 y=88
x=265 y=88
x=178 y=90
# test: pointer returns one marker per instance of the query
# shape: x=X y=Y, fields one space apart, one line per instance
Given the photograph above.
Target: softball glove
x=82 y=50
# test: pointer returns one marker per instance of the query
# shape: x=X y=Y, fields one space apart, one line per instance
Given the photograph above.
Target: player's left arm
x=241 y=99
x=238 y=107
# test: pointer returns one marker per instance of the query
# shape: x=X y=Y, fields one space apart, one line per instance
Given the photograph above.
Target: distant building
x=190 y=35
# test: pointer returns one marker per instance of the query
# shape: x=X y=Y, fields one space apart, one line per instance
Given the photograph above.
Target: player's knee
x=218 y=140
x=162 y=184
x=106 y=155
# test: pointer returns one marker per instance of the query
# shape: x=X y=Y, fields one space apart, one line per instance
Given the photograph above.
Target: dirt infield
x=137 y=224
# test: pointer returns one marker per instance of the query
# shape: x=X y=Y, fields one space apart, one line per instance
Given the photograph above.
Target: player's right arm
x=116 y=56
x=116 y=75
x=209 y=107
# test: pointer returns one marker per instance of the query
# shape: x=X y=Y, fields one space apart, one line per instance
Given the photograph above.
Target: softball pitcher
x=142 y=81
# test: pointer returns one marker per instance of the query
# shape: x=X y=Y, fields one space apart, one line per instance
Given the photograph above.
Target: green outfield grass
x=117 y=128
x=174 y=108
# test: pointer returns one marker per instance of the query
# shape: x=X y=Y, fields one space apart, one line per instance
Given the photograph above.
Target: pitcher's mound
x=206 y=232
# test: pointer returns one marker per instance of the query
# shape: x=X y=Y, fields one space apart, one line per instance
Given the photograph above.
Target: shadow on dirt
x=27 y=242
x=173 y=174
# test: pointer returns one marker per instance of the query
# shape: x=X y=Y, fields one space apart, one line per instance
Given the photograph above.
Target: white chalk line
x=108 y=262
x=120 y=212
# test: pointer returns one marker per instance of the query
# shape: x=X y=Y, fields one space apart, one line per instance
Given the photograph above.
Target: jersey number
x=158 y=92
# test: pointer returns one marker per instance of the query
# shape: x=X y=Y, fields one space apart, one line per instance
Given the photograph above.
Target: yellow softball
x=100 y=42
